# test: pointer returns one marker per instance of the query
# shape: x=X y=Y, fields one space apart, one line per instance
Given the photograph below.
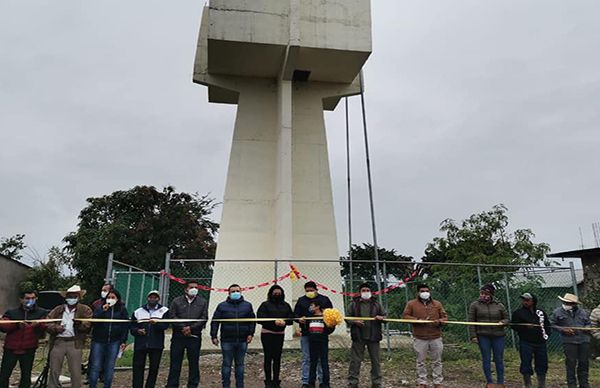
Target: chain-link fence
x=133 y=283
x=455 y=285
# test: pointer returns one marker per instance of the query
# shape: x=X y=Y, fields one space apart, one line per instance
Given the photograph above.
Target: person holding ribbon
x=193 y=310
x=149 y=334
x=109 y=338
x=318 y=342
x=576 y=343
x=68 y=337
x=533 y=326
x=235 y=335
x=490 y=336
x=273 y=333
x=427 y=336
x=365 y=333
x=21 y=340
x=302 y=311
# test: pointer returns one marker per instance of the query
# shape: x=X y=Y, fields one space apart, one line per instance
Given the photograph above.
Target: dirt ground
x=461 y=370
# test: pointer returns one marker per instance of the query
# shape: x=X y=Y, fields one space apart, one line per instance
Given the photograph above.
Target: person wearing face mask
x=149 y=334
x=187 y=335
x=21 y=339
x=302 y=311
x=68 y=337
x=365 y=334
x=490 y=338
x=533 y=326
x=108 y=338
x=106 y=288
x=427 y=336
x=273 y=333
x=576 y=343
x=235 y=336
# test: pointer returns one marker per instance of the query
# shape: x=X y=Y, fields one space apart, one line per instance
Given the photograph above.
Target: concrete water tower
x=282 y=62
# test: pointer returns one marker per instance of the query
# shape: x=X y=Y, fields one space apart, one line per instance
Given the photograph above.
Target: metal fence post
x=479 y=276
x=386 y=307
x=109 y=269
x=167 y=283
x=574 y=278
x=508 y=303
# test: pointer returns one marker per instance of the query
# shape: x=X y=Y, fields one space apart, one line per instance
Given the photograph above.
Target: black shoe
x=268 y=384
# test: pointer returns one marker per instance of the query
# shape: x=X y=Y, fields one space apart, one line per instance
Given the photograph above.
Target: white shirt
x=67 y=323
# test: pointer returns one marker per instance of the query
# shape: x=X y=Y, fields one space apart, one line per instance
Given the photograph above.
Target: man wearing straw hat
x=576 y=343
x=68 y=336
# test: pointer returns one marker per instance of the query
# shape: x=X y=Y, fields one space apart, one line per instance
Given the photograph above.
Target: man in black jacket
x=186 y=335
x=149 y=334
x=235 y=336
x=302 y=311
x=533 y=339
x=365 y=334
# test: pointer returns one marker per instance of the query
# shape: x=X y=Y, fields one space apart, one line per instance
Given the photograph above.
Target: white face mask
x=567 y=307
x=425 y=295
x=71 y=301
x=103 y=294
x=193 y=292
x=111 y=302
x=366 y=295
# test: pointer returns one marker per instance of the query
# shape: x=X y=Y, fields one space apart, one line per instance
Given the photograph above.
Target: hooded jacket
x=233 y=331
x=20 y=338
x=108 y=332
x=275 y=309
x=535 y=316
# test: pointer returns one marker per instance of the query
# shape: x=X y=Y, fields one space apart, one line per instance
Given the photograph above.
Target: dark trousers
x=577 y=361
x=179 y=346
x=273 y=347
x=139 y=366
x=9 y=361
x=357 y=355
x=319 y=355
x=536 y=353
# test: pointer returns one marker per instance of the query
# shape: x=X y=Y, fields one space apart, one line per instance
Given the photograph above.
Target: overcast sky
x=470 y=104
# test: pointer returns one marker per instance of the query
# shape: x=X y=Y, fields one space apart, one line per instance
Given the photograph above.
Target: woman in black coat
x=273 y=333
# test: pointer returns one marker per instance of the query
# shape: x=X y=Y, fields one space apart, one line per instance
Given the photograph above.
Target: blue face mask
x=28 y=304
x=235 y=295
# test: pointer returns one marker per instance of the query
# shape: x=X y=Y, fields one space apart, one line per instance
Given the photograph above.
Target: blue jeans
x=233 y=352
x=487 y=346
x=305 y=347
x=103 y=357
x=530 y=352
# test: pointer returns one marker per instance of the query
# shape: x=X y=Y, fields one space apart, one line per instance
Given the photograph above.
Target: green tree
x=484 y=239
x=12 y=246
x=50 y=274
x=139 y=226
x=364 y=267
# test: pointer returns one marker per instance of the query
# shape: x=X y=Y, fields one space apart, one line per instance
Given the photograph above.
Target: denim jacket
x=575 y=318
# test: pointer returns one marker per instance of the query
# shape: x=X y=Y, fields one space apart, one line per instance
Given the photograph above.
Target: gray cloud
x=469 y=103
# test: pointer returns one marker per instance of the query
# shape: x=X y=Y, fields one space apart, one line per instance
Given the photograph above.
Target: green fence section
x=134 y=284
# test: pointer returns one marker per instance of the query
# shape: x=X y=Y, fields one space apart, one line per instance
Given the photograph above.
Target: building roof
x=5 y=258
x=556 y=279
x=579 y=253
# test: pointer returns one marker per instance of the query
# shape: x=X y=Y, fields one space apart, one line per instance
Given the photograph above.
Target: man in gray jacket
x=186 y=335
x=576 y=343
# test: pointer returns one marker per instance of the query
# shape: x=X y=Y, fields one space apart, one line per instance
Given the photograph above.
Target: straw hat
x=569 y=298
x=73 y=290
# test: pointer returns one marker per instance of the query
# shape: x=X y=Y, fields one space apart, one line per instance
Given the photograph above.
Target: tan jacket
x=430 y=311
x=81 y=328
